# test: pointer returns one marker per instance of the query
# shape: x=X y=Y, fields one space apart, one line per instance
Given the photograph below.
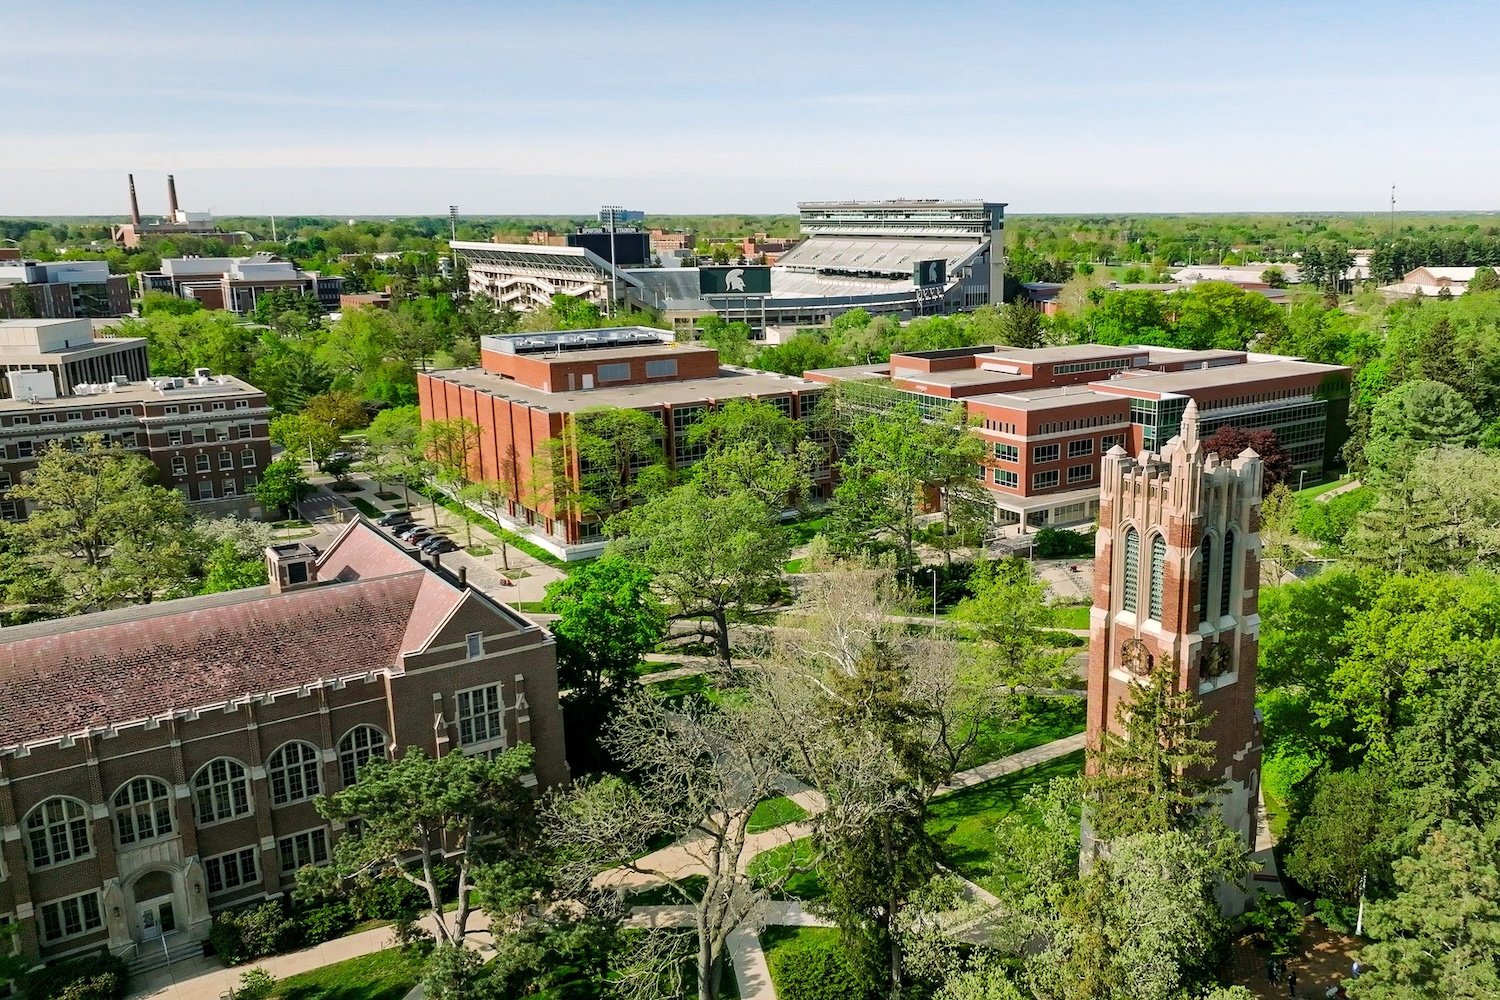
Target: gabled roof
x=375 y=602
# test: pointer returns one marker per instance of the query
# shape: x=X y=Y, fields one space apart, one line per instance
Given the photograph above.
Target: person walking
x=1271 y=970
x=1291 y=983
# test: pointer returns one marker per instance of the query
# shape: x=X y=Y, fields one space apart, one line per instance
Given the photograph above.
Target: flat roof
x=139 y=392
x=1212 y=378
x=1062 y=353
x=660 y=349
x=1057 y=398
x=731 y=383
x=957 y=377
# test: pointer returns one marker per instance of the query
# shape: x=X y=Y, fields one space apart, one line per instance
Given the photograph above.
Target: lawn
x=648 y=667
x=1320 y=489
x=771 y=813
x=1071 y=617
x=1042 y=720
x=802 y=532
x=774 y=863
x=967 y=819
x=383 y=975
x=793 y=565
x=469 y=514
x=365 y=507
x=777 y=938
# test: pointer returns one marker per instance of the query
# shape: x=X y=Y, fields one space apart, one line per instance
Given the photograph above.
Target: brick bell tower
x=1176 y=580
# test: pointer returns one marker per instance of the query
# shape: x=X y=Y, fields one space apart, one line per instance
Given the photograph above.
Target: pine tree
x=1152 y=775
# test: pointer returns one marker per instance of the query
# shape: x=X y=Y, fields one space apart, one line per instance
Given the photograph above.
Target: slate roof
x=128 y=664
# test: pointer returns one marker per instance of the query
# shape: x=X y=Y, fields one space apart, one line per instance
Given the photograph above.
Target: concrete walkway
x=1015 y=762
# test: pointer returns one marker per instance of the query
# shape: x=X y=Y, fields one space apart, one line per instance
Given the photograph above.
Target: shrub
x=255 y=984
x=95 y=977
x=326 y=922
x=238 y=936
x=1276 y=923
x=388 y=897
x=815 y=971
x=1054 y=543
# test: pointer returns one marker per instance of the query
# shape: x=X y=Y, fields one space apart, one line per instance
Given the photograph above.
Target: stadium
x=906 y=258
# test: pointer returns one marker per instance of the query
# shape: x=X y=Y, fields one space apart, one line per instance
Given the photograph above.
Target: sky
x=384 y=109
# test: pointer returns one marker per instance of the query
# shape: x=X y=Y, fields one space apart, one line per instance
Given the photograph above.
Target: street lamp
x=1301 y=478
x=932 y=572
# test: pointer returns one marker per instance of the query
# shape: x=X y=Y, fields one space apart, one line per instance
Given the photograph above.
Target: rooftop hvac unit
x=120 y=380
x=202 y=373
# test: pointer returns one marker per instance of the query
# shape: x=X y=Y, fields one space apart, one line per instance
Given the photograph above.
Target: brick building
x=159 y=763
x=1176 y=585
x=237 y=283
x=208 y=435
x=531 y=387
x=61 y=289
x=1048 y=415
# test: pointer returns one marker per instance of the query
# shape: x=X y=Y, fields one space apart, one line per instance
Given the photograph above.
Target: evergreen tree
x=1152 y=775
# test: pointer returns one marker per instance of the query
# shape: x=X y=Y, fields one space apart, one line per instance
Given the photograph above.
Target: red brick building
x=531 y=387
x=1048 y=415
x=160 y=763
x=1176 y=585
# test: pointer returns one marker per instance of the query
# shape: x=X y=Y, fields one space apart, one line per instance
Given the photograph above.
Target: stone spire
x=1189 y=431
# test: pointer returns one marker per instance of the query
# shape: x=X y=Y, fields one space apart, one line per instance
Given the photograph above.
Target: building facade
x=237 y=283
x=1048 y=415
x=61 y=289
x=1176 y=586
x=159 y=764
x=531 y=391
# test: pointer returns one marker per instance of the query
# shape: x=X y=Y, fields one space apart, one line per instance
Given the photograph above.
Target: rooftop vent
x=292 y=566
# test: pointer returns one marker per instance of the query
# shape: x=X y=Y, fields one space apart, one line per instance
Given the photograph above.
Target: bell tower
x=1176 y=581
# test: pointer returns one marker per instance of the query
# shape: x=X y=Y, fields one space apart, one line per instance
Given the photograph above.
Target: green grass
x=383 y=975
x=480 y=550
x=771 y=813
x=793 y=565
x=365 y=507
x=1041 y=720
x=666 y=895
x=1058 y=639
x=773 y=864
x=1319 y=490
x=678 y=688
x=1071 y=617
x=802 y=532
x=777 y=938
x=968 y=819
x=648 y=667
x=534 y=607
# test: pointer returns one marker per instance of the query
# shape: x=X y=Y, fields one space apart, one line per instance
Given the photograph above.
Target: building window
x=309 y=848
x=206 y=490
x=174 y=438
x=242 y=430
x=202 y=463
x=475 y=643
x=122 y=413
x=18 y=421
x=1005 y=477
x=1078 y=449
x=71 y=917
x=228 y=488
x=480 y=716
x=101 y=414
x=195 y=407
x=358 y=746
x=1044 y=480
x=143 y=811
x=48 y=418
x=226 y=461
x=230 y=871
x=58 y=831
x=25 y=449
x=1045 y=453
x=218 y=406
x=128 y=439
x=247 y=459
x=242 y=404
x=1007 y=453
x=200 y=435
x=222 y=791
x=614 y=373
x=250 y=482
x=1132 y=570
x=179 y=465
x=1158 y=574
x=9 y=511
x=1080 y=473
x=1108 y=441
x=75 y=414
x=293 y=771
x=1226 y=574
x=663 y=368
x=169 y=410
x=1205 y=561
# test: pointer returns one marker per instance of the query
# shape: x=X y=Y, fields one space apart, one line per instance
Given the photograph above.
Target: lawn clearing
x=1320 y=489
x=772 y=864
x=1042 y=720
x=382 y=975
x=365 y=507
x=802 y=532
x=771 y=813
x=968 y=819
x=1071 y=617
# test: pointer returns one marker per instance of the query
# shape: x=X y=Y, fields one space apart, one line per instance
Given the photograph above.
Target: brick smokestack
x=172 y=196
x=135 y=206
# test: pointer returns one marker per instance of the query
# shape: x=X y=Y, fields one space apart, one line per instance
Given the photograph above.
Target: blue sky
x=383 y=108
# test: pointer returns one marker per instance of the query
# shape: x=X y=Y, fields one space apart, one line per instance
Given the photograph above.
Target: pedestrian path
x=1015 y=762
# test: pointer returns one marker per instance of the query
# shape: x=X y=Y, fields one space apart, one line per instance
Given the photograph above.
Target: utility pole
x=612 y=211
x=453 y=236
x=1393 y=211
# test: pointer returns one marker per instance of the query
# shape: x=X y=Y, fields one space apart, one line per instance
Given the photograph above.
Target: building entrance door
x=157 y=919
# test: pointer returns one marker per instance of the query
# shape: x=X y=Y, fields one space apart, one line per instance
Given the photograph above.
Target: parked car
x=395 y=519
x=414 y=533
x=438 y=544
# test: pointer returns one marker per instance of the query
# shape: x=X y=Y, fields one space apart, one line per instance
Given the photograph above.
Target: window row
x=205 y=463
x=239 y=404
x=21 y=420
x=58 y=829
x=238 y=868
x=206 y=435
x=1156 y=582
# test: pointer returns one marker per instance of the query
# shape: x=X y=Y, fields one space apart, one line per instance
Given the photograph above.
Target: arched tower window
x=1158 y=572
x=293 y=770
x=222 y=790
x=143 y=810
x=58 y=830
x=1132 y=569
x=1226 y=574
x=1205 y=562
x=356 y=748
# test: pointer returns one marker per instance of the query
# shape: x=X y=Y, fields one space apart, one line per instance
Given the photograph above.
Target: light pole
x=1359 y=924
x=932 y=572
x=1301 y=478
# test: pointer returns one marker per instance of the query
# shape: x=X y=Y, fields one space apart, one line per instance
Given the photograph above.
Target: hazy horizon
x=383 y=110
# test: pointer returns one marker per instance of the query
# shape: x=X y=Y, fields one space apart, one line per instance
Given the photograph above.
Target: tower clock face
x=1135 y=657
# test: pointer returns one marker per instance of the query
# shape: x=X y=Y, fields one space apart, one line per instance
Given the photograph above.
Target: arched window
x=143 y=811
x=1132 y=569
x=358 y=746
x=293 y=771
x=1205 y=563
x=222 y=791
x=59 y=831
x=1226 y=573
x=1158 y=572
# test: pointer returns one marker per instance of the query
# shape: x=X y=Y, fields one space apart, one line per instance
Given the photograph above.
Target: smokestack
x=172 y=197
x=135 y=206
